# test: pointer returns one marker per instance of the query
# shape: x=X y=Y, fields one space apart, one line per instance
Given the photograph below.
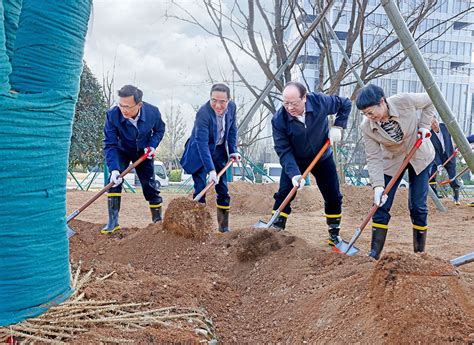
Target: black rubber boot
x=456 y=196
x=155 y=213
x=378 y=241
x=113 y=203
x=419 y=240
x=334 y=225
x=223 y=219
x=280 y=223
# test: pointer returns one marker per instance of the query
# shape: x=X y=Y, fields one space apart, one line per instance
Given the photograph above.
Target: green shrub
x=175 y=175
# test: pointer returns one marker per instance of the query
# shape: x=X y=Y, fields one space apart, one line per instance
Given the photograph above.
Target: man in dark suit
x=213 y=141
x=444 y=148
x=132 y=128
x=470 y=138
x=300 y=129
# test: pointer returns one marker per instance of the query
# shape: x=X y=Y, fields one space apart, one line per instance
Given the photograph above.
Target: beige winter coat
x=385 y=155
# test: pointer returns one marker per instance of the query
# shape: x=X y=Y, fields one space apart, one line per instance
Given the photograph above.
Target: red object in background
x=11 y=340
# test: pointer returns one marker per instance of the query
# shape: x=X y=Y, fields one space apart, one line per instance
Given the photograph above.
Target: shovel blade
x=343 y=248
x=70 y=232
x=261 y=225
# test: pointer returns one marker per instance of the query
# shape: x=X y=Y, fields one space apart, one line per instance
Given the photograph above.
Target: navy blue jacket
x=121 y=135
x=298 y=142
x=470 y=138
x=203 y=141
x=441 y=156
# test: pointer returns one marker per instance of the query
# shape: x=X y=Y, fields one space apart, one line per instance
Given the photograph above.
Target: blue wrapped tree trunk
x=41 y=50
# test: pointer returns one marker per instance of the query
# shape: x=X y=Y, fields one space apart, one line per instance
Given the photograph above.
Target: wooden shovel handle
x=306 y=172
x=211 y=183
x=393 y=181
x=447 y=161
x=106 y=188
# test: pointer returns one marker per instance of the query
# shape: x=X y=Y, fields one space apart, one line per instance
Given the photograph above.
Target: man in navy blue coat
x=470 y=139
x=132 y=128
x=444 y=148
x=213 y=141
x=300 y=129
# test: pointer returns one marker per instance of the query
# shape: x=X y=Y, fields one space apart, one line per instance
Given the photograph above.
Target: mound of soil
x=268 y=287
x=258 y=243
x=188 y=218
x=412 y=294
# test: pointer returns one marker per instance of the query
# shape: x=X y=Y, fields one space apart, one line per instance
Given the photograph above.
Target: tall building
x=446 y=45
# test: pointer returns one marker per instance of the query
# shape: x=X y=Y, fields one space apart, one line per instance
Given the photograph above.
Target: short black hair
x=368 y=96
x=301 y=88
x=130 y=90
x=220 y=87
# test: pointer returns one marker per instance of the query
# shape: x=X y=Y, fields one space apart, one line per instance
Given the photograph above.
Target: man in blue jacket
x=213 y=141
x=131 y=128
x=470 y=139
x=444 y=148
x=300 y=129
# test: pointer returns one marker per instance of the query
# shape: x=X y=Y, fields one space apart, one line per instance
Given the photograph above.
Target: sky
x=165 y=57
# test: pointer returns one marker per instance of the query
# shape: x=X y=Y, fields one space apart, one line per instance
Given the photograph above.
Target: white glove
x=115 y=178
x=335 y=134
x=151 y=154
x=213 y=177
x=424 y=133
x=295 y=182
x=440 y=169
x=379 y=197
x=236 y=156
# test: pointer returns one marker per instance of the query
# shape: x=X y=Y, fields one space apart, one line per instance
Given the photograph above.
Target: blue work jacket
x=297 y=142
x=200 y=146
x=441 y=156
x=121 y=135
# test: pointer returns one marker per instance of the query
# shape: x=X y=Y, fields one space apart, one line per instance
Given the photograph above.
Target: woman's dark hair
x=301 y=88
x=219 y=87
x=368 y=96
x=130 y=90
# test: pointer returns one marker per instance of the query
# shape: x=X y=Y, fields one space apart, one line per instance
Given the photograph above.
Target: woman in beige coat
x=390 y=129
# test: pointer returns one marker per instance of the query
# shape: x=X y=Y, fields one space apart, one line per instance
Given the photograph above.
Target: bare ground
x=263 y=286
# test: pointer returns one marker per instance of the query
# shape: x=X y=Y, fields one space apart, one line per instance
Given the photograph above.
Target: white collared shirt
x=439 y=134
x=135 y=120
x=220 y=127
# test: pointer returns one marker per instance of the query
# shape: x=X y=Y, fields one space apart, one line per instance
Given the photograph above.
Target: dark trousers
x=219 y=158
x=325 y=174
x=451 y=169
x=417 y=194
x=146 y=173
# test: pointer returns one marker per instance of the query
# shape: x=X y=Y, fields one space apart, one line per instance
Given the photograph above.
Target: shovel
x=211 y=183
x=75 y=213
x=462 y=260
x=447 y=161
x=263 y=225
x=455 y=177
x=344 y=247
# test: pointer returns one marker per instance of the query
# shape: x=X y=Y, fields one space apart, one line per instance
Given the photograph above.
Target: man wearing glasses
x=300 y=129
x=131 y=128
x=213 y=141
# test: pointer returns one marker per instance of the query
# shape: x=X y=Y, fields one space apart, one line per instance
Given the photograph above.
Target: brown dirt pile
x=247 y=198
x=258 y=243
x=413 y=294
x=188 y=218
x=268 y=287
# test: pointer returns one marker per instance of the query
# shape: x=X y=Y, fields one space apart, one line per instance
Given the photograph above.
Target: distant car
x=242 y=173
x=160 y=175
x=272 y=171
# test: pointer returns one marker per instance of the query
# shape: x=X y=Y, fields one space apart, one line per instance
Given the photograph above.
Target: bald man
x=300 y=129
